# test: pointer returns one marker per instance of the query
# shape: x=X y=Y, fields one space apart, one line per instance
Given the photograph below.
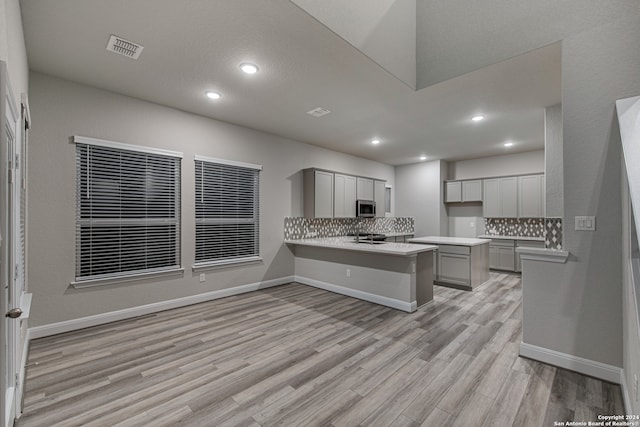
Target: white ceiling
x=191 y=47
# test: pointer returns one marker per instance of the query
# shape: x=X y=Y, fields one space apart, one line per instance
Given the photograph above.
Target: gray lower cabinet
x=502 y=255
x=454 y=265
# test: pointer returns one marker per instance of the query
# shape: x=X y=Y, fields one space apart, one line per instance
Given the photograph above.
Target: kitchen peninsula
x=397 y=275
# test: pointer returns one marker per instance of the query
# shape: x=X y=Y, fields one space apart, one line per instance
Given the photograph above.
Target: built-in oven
x=365 y=208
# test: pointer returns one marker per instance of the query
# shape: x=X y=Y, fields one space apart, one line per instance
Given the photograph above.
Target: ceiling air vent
x=318 y=112
x=124 y=47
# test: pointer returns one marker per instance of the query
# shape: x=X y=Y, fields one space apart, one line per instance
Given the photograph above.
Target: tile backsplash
x=301 y=228
x=527 y=227
x=553 y=235
x=548 y=228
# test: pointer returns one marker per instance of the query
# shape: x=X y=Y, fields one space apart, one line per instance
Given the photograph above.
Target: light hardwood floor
x=295 y=355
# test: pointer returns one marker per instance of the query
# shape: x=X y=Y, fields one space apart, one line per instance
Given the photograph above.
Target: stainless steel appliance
x=365 y=208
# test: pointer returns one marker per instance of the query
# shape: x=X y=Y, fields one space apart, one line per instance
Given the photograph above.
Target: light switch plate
x=585 y=223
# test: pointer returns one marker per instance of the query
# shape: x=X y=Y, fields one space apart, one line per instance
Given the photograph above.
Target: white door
x=9 y=295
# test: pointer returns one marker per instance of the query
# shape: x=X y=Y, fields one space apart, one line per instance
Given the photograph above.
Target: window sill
x=87 y=283
x=226 y=263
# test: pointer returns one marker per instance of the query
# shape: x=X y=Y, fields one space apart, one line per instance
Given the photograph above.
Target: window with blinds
x=127 y=210
x=227 y=212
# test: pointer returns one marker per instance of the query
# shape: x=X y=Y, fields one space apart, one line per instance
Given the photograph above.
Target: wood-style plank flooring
x=295 y=355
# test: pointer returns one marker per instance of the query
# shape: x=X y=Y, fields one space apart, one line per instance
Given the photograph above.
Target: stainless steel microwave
x=365 y=208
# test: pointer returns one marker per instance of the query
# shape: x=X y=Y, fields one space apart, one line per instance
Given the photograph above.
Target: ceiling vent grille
x=318 y=112
x=124 y=47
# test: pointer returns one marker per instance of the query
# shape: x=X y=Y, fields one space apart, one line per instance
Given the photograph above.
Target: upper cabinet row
x=333 y=195
x=463 y=191
x=507 y=197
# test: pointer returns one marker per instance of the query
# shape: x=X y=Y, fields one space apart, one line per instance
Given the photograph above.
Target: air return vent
x=124 y=47
x=318 y=112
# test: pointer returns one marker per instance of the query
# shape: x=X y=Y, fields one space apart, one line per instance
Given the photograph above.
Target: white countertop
x=535 y=239
x=348 y=243
x=456 y=241
x=395 y=234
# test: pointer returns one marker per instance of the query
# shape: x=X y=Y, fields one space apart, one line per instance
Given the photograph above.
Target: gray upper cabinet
x=379 y=194
x=344 y=205
x=365 y=188
x=453 y=191
x=472 y=191
x=509 y=193
x=492 y=203
x=500 y=198
x=463 y=191
x=531 y=192
x=329 y=194
x=318 y=193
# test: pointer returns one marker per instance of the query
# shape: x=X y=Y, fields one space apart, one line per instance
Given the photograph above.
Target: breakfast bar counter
x=397 y=275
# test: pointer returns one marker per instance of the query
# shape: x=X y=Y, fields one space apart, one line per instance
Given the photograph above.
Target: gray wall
x=12 y=48
x=598 y=66
x=419 y=193
x=486 y=32
x=384 y=30
x=61 y=109
x=554 y=180
x=508 y=164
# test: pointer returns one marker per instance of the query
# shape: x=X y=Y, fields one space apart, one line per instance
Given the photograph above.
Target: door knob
x=14 y=313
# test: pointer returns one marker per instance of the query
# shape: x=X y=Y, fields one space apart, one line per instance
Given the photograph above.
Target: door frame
x=9 y=328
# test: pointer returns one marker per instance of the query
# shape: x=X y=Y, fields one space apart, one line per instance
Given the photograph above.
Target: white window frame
x=227 y=262
x=128 y=275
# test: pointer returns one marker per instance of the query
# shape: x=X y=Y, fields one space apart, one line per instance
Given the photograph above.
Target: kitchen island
x=461 y=262
x=397 y=275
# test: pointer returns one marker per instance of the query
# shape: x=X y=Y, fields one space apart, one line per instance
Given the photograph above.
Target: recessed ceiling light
x=375 y=141
x=477 y=118
x=508 y=144
x=213 y=95
x=249 y=68
x=423 y=157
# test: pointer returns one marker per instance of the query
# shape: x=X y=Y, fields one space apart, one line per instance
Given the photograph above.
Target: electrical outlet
x=203 y=277
x=348 y=272
x=635 y=387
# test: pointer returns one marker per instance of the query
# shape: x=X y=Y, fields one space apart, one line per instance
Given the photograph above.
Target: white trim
x=127 y=313
x=9 y=415
x=25 y=305
x=125 y=277
x=227 y=162
x=573 y=363
x=626 y=397
x=378 y=299
x=122 y=146
x=542 y=254
x=226 y=263
x=22 y=371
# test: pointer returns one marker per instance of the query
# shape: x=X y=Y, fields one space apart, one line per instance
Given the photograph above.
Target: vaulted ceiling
x=191 y=47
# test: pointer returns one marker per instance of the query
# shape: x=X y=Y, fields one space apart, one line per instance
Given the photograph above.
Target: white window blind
x=128 y=210
x=227 y=211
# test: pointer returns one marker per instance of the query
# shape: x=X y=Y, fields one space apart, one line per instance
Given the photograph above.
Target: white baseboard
x=378 y=299
x=127 y=313
x=626 y=397
x=592 y=368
